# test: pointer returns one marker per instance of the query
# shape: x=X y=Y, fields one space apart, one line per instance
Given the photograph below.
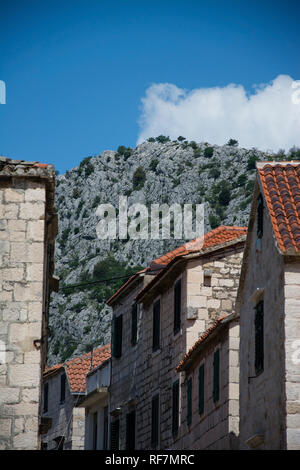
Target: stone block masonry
x=26 y=209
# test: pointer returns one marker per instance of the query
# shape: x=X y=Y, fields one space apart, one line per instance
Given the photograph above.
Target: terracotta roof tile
x=203 y=337
x=78 y=367
x=281 y=187
x=218 y=236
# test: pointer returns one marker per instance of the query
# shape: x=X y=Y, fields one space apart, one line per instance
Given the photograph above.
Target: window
x=114 y=435
x=216 y=387
x=260 y=216
x=189 y=401
x=95 y=430
x=259 y=337
x=62 y=388
x=201 y=389
x=46 y=388
x=130 y=430
x=134 y=320
x=177 y=306
x=59 y=441
x=175 y=408
x=156 y=326
x=117 y=336
x=105 y=430
x=155 y=421
x=207 y=277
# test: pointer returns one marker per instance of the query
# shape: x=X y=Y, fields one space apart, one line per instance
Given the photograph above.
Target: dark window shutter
x=114 y=435
x=156 y=325
x=260 y=216
x=201 y=389
x=46 y=389
x=177 y=306
x=259 y=337
x=216 y=389
x=130 y=431
x=134 y=320
x=155 y=421
x=175 y=408
x=62 y=388
x=189 y=401
x=95 y=430
x=117 y=336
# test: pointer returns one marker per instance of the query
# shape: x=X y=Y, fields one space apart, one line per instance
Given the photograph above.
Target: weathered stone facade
x=140 y=373
x=217 y=427
x=67 y=421
x=269 y=400
x=28 y=226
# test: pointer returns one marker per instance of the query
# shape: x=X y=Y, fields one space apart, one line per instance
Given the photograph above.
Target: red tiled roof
x=218 y=236
x=78 y=367
x=281 y=187
x=203 y=337
x=215 y=237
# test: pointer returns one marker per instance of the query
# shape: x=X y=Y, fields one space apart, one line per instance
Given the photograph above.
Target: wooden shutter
x=216 y=389
x=156 y=325
x=155 y=421
x=46 y=389
x=201 y=389
x=175 y=408
x=114 y=435
x=117 y=336
x=134 y=320
x=189 y=401
x=259 y=337
x=95 y=430
x=62 y=388
x=177 y=306
x=130 y=431
x=260 y=216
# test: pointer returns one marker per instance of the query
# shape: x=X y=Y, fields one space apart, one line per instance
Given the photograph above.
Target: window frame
x=117 y=336
x=177 y=306
x=63 y=381
x=259 y=337
x=134 y=324
x=156 y=326
x=201 y=389
x=216 y=375
x=189 y=407
x=175 y=407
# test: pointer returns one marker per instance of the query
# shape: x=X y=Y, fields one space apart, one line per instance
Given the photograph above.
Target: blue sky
x=76 y=70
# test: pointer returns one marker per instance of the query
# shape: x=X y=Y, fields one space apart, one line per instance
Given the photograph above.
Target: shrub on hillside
x=208 y=152
x=139 y=178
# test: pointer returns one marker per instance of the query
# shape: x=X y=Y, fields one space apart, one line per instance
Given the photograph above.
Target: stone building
x=96 y=405
x=210 y=392
x=64 y=388
x=28 y=226
x=268 y=303
x=156 y=324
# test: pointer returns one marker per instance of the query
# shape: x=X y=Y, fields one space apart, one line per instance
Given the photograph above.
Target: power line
x=91 y=283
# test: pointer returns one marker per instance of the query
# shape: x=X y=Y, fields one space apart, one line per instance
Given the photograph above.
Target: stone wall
x=218 y=426
x=292 y=353
x=22 y=281
x=125 y=370
x=67 y=420
x=201 y=305
x=262 y=398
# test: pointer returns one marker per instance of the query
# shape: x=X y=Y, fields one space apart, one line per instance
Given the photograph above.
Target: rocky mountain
x=157 y=171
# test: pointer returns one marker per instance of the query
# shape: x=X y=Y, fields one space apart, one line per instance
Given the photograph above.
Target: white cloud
x=268 y=118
